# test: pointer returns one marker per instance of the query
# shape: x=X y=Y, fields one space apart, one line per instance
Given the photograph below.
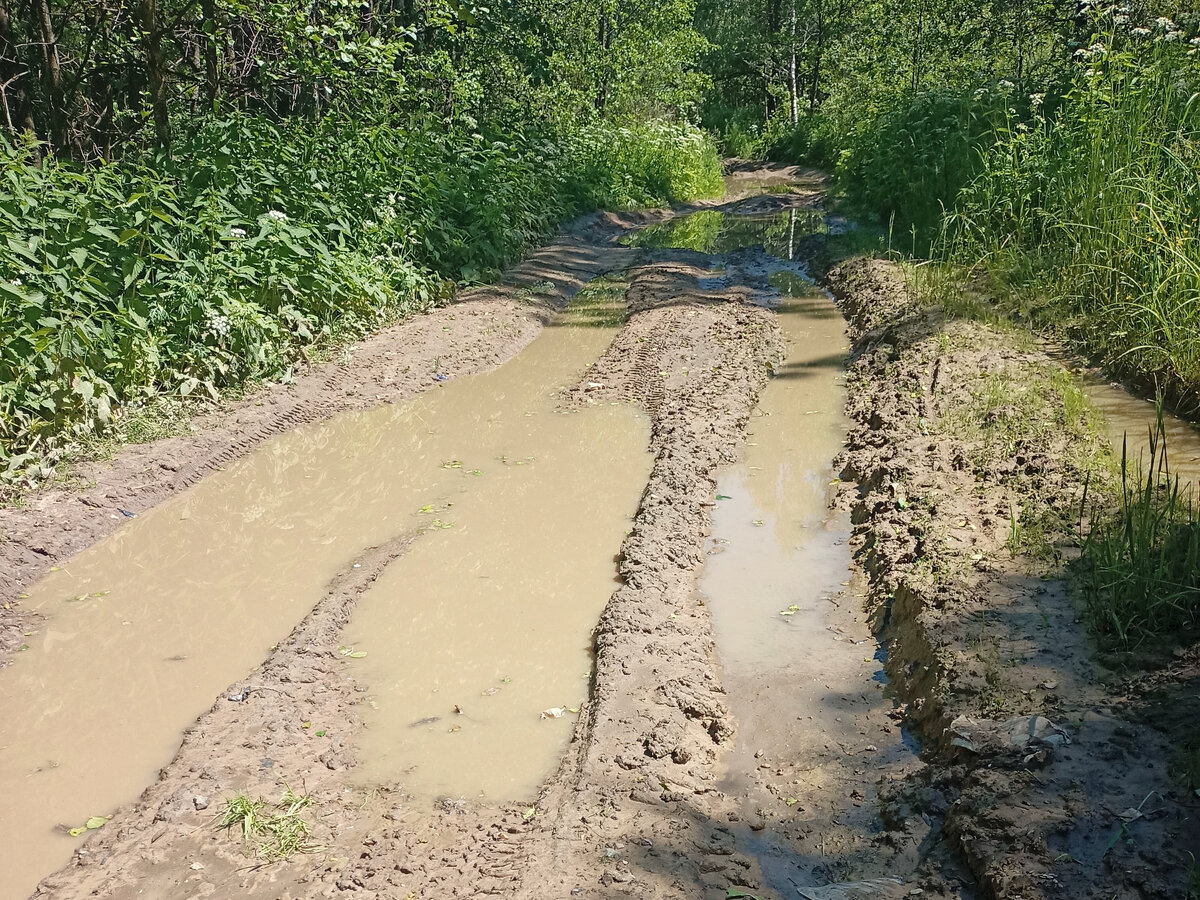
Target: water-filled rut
x=520 y=511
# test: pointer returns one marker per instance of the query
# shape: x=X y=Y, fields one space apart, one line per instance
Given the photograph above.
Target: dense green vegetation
x=1049 y=145
x=191 y=192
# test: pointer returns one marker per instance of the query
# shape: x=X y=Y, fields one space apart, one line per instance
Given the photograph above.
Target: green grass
x=276 y=831
x=1140 y=565
x=1088 y=219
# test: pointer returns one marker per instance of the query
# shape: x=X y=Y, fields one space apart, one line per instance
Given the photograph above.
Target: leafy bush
x=908 y=163
x=217 y=265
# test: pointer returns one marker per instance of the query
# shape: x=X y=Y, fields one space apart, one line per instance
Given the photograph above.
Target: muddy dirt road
x=701 y=588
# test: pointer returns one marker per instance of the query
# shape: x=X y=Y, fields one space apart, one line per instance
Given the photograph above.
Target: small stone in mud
x=200 y=801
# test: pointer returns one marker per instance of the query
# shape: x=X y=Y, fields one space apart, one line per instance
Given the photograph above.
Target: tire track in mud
x=634 y=808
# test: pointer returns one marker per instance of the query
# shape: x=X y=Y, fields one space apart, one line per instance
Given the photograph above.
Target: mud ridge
x=962 y=487
x=258 y=737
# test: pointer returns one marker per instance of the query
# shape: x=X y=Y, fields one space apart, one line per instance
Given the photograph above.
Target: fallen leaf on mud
x=455 y=728
x=452 y=464
x=554 y=712
x=724 y=497
x=572 y=709
x=791 y=801
x=321 y=733
x=351 y=653
x=1129 y=815
x=976 y=556
x=90 y=825
x=529 y=814
x=759 y=523
x=306 y=724
x=427 y=508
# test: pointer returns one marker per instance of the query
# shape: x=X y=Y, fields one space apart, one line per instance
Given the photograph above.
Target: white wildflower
x=1140 y=32
x=237 y=232
x=277 y=215
x=218 y=324
x=1120 y=20
x=1097 y=49
x=1195 y=42
x=1172 y=36
x=1090 y=73
x=1162 y=23
x=1036 y=100
x=1006 y=85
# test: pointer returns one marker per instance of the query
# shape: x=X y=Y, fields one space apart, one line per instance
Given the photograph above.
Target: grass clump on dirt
x=1141 y=565
x=276 y=831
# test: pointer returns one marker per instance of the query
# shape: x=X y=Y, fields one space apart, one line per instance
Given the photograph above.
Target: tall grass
x=1099 y=200
x=1141 y=566
x=190 y=274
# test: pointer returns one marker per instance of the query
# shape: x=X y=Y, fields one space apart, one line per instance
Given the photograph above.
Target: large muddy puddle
x=717 y=231
x=801 y=667
x=478 y=639
x=522 y=510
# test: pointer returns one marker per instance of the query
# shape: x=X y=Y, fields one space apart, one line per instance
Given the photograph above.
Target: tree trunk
x=156 y=78
x=60 y=129
x=212 y=86
x=604 y=40
x=814 y=86
x=793 y=90
x=14 y=95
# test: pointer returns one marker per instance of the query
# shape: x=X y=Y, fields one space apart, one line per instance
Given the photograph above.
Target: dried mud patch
x=968 y=456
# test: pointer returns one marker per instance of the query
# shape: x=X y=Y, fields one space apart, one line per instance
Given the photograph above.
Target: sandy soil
x=635 y=808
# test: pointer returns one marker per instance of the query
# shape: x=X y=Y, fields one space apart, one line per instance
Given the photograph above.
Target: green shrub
x=217 y=265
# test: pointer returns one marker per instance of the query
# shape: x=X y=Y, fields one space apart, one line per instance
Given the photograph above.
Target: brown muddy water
x=1129 y=418
x=523 y=510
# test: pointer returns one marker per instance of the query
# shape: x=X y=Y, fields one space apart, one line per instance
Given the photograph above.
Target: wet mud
x=1033 y=763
